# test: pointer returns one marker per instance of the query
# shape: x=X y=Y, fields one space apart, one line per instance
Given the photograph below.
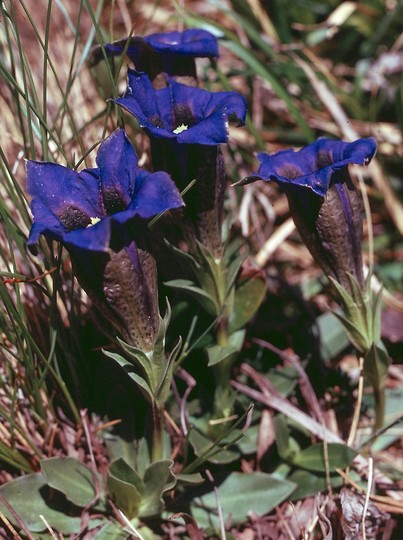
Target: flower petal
x=117 y=162
x=192 y=42
x=211 y=112
x=140 y=101
x=312 y=167
x=69 y=197
x=189 y=114
x=45 y=222
x=156 y=193
x=92 y=238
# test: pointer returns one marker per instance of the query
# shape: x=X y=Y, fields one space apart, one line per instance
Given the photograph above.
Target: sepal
x=361 y=312
x=154 y=369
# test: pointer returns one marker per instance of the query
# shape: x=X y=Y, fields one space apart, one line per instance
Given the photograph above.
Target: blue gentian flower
x=169 y=52
x=324 y=204
x=314 y=166
x=91 y=209
x=187 y=114
x=100 y=216
x=195 y=43
x=186 y=125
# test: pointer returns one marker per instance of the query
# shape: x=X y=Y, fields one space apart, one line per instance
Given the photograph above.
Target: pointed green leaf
x=313 y=458
x=248 y=298
x=135 y=453
x=165 y=379
x=183 y=255
x=310 y=483
x=345 y=297
x=376 y=309
x=190 y=479
x=158 y=479
x=121 y=470
x=284 y=379
x=209 y=450
x=211 y=264
x=158 y=362
x=217 y=353
x=357 y=294
x=129 y=369
x=233 y=270
x=139 y=358
x=125 y=487
x=239 y=496
x=332 y=333
x=70 y=477
x=282 y=436
x=376 y=363
x=204 y=299
x=354 y=333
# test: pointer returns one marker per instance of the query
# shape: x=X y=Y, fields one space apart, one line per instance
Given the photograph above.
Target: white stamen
x=94 y=221
x=180 y=128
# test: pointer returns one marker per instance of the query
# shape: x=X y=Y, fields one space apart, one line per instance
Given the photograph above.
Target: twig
x=16 y=517
x=357 y=410
x=367 y=495
x=7 y=523
x=219 y=507
x=275 y=241
x=49 y=528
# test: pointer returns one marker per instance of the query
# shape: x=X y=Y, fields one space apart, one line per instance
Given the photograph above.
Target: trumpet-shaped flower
x=99 y=216
x=186 y=114
x=323 y=202
x=172 y=53
x=91 y=209
x=314 y=167
x=194 y=43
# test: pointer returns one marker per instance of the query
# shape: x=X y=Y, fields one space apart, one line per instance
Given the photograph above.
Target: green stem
x=157 y=450
x=379 y=396
x=222 y=373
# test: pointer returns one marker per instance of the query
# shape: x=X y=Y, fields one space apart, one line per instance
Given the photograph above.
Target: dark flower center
x=113 y=202
x=323 y=159
x=73 y=218
x=183 y=116
x=289 y=171
x=156 y=121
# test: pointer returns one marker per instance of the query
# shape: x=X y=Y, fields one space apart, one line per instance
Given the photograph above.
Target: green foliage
x=71 y=478
x=195 y=421
x=361 y=316
x=218 y=353
x=239 y=495
x=136 y=496
x=249 y=295
x=332 y=335
x=30 y=508
x=361 y=319
x=156 y=370
x=318 y=458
